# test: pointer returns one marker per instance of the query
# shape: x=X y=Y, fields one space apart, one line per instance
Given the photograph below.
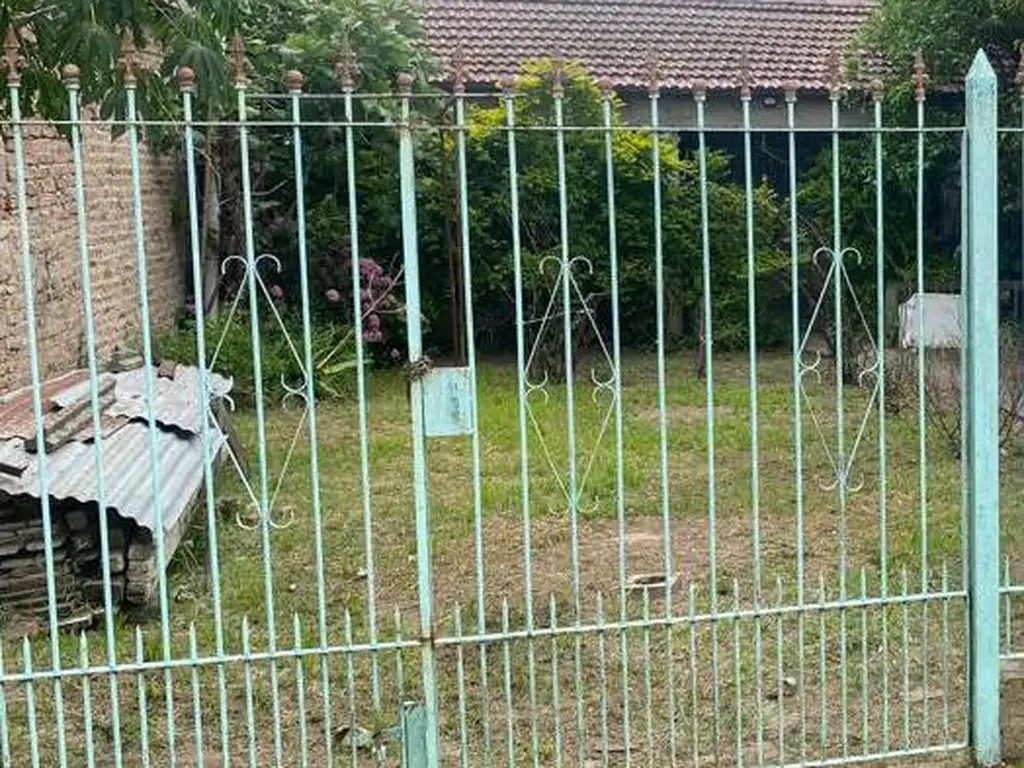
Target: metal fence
x=628 y=565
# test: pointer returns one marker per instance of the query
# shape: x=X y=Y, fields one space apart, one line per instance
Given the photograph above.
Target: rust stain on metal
x=12 y=58
x=745 y=77
x=653 y=73
x=128 y=61
x=16 y=413
x=920 y=77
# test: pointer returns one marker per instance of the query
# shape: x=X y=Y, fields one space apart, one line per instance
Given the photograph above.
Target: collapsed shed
x=129 y=485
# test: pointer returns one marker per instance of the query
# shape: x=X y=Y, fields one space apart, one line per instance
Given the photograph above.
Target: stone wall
x=111 y=235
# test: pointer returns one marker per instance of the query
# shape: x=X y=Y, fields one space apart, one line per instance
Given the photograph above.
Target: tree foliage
x=948 y=32
x=308 y=35
x=281 y=34
x=947 y=35
x=491 y=221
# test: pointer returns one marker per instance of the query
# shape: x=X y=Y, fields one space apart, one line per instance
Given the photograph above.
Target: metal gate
x=611 y=560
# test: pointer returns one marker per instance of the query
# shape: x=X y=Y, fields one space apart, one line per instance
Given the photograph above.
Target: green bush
x=491 y=222
x=230 y=349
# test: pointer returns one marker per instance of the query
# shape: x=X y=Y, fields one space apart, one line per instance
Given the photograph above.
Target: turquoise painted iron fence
x=611 y=561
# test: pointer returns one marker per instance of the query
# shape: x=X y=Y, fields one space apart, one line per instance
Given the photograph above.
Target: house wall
x=769 y=147
x=725 y=111
x=53 y=236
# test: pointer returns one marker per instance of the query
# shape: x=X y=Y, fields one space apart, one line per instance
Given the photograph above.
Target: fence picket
x=641 y=475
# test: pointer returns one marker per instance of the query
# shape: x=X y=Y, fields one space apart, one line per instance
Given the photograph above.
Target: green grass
x=932 y=661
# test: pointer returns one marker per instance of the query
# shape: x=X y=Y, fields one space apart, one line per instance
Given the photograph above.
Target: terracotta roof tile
x=692 y=40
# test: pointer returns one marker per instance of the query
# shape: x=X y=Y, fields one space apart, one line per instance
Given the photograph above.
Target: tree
x=302 y=34
x=948 y=32
x=940 y=39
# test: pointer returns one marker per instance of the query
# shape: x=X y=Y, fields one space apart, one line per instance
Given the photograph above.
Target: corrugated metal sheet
x=127 y=474
x=176 y=403
x=72 y=394
x=13 y=459
x=16 y=417
x=127 y=469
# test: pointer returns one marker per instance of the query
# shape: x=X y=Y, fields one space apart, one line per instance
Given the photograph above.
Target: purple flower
x=373 y=322
x=370 y=269
x=277 y=292
x=373 y=337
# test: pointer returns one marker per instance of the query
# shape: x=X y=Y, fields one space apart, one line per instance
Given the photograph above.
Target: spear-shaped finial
x=790 y=89
x=186 y=78
x=405 y=81
x=745 y=77
x=459 y=69
x=345 y=67
x=293 y=81
x=700 y=90
x=558 y=76
x=653 y=73
x=12 y=58
x=835 y=74
x=128 y=61
x=239 y=64
x=920 y=76
x=71 y=75
x=877 y=89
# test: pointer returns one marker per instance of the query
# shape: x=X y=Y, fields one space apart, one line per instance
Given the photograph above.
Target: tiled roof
x=691 y=40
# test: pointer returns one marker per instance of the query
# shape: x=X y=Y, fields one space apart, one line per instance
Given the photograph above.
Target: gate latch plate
x=447 y=402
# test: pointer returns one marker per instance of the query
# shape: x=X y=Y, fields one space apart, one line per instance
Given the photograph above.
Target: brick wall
x=111 y=237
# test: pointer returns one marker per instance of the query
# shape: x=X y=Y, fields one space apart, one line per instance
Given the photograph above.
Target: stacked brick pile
x=132 y=581
x=23 y=586
x=132 y=513
x=77 y=564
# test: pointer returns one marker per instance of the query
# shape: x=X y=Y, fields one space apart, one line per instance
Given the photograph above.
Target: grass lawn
x=867 y=672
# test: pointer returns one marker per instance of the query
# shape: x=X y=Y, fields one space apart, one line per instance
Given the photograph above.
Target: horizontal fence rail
x=546 y=438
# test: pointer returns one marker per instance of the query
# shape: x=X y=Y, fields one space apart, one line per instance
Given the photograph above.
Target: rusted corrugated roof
x=784 y=41
x=16 y=414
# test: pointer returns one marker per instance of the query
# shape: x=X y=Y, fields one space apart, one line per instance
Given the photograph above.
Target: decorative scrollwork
x=563 y=272
x=602 y=386
x=277 y=518
x=540 y=386
x=291 y=393
x=867 y=378
x=841 y=259
x=870 y=372
x=810 y=368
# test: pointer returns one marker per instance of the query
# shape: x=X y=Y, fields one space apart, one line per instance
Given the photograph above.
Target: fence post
x=414 y=735
x=982 y=417
x=416 y=369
